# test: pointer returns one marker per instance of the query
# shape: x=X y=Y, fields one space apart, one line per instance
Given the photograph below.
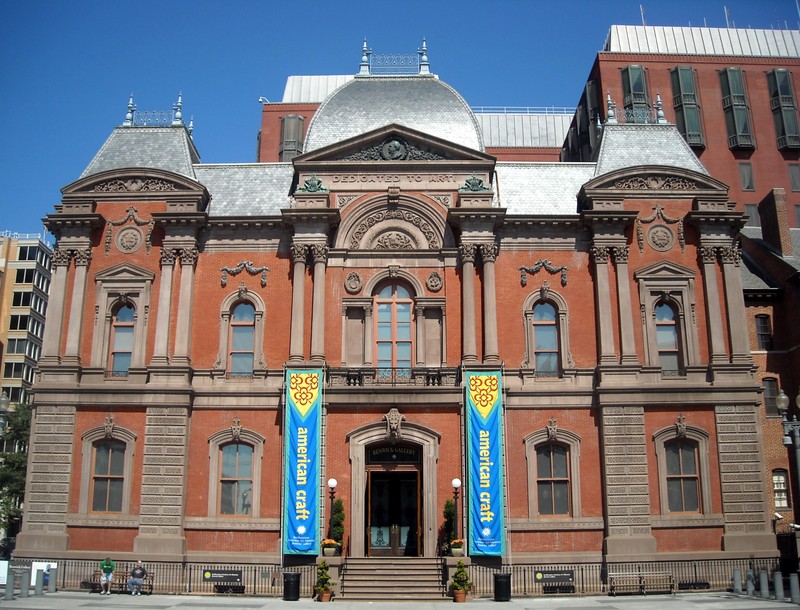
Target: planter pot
x=457 y=552
x=325 y=596
x=329 y=551
x=459 y=596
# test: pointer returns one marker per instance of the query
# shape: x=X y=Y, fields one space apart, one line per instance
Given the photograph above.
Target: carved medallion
x=353 y=283
x=660 y=237
x=394 y=240
x=394 y=149
x=129 y=240
x=434 y=282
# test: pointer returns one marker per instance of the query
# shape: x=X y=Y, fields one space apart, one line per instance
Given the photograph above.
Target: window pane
x=229 y=461
x=100 y=495
x=402 y=293
x=559 y=462
x=245 y=461
x=403 y=312
x=673 y=458
x=242 y=338
x=115 y=495
x=546 y=337
x=227 y=493
x=245 y=497
x=241 y=363
x=664 y=312
x=666 y=337
x=384 y=312
x=669 y=362
x=688 y=461
x=544 y=312
x=546 y=362
x=690 y=500
x=244 y=312
x=125 y=314
x=403 y=352
x=123 y=339
x=117 y=460
x=121 y=362
x=385 y=353
x=384 y=331
x=403 y=331
x=545 y=499
x=543 y=469
x=101 y=459
x=674 y=495
x=561 y=498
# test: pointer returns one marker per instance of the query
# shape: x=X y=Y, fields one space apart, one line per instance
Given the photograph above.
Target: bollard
x=24 y=582
x=10 y=579
x=737 y=581
x=51 y=581
x=777 y=584
x=750 y=583
x=794 y=588
x=39 y=586
x=763 y=584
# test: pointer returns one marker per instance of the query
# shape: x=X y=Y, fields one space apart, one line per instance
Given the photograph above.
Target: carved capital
x=621 y=254
x=188 y=257
x=319 y=252
x=61 y=257
x=730 y=255
x=82 y=257
x=708 y=254
x=489 y=252
x=600 y=254
x=299 y=253
x=167 y=257
x=467 y=252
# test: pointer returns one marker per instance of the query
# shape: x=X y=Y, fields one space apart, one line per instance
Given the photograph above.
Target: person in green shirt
x=107 y=567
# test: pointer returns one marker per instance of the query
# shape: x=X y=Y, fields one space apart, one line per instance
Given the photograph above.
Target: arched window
x=242 y=340
x=122 y=340
x=108 y=475
x=545 y=340
x=683 y=476
x=764 y=332
x=236 y=479
x=667 y=339
x=552 y=479
x=393 y=305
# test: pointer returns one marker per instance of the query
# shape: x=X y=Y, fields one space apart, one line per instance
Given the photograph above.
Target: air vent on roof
x=292 y=131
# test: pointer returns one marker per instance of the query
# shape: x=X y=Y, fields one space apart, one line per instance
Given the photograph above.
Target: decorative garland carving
x=134 y=185
x=658 y=212
x=394 y=240
x=547 y=266
x=244 y=266
x=427 y=230
x=661 y=183
x=130 y=216
x=393 y=149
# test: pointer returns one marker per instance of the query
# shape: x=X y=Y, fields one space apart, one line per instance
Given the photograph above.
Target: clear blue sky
x=68 y=67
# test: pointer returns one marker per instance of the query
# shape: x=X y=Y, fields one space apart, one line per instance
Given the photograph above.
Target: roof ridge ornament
x=129 y=115
x=424 y=65
x=660 y=118
x=365 y=53
x=177 y=116
x=611 y=115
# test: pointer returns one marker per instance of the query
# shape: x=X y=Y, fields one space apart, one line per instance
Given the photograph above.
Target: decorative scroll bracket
x=547 y=266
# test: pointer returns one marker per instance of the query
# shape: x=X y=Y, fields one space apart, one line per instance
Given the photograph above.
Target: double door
x=393 y=513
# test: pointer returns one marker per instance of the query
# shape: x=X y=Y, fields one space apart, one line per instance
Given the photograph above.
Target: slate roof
x=166 y=148
x=541 y=188
x=366 y=103
x=702 y=41
x=630 y=144
x=523 y=130
x=251 y=189
x=312 y=89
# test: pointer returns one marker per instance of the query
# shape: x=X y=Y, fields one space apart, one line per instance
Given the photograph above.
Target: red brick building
x=398 y=243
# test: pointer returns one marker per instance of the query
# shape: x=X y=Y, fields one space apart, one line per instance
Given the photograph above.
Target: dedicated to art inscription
x=402 y=179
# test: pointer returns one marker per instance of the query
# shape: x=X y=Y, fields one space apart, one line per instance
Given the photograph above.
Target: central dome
x=366 y=103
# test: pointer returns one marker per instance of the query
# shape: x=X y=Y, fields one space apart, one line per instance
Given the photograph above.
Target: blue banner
x=485 y=490
x=301 y=501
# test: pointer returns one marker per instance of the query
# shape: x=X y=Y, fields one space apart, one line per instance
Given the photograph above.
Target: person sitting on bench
x=138 y=573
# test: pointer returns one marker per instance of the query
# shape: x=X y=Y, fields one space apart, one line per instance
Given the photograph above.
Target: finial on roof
x=611 y=115
x=660 y=118
x=191 y=126
x=365 y=53
x=424 y=66
x=129 y=115
x=177 y=117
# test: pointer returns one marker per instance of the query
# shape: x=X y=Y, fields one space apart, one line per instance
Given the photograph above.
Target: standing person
x=107 y=567
x=138 y=573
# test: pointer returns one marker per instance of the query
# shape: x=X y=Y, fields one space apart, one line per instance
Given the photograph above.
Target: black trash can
x=291 y=586
x=502 y=587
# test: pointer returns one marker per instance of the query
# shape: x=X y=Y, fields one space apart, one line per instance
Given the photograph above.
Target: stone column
x=734 y=299
x=44 y=530
x=164 y=479
x=161 y=346
x=51 y=343
x=603 y=305
x=368 y=330
x=491 y=353
x=296 y=349
x=320 y=254
x=627 y=487
x=76 y=311
x=183 y=326
x=708 y=255
x=627 y=339
x=469 y=352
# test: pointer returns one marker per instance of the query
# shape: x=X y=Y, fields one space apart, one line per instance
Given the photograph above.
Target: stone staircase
x=387 y=578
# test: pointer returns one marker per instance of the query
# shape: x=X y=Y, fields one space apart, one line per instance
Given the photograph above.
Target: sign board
x=546 y=577
x=226 y=576
x=45 y=566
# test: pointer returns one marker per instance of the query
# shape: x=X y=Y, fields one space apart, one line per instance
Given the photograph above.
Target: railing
x=382 y=376
x=523 y=110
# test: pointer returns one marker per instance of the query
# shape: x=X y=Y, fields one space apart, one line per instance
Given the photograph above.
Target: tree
x=14 y=466
x=337 y=531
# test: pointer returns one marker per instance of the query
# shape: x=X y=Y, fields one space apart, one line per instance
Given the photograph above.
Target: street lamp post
x=456 y=486
x=332 y=483
x=791 y=429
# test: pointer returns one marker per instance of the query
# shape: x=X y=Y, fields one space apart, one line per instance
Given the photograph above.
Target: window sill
x=685 y=520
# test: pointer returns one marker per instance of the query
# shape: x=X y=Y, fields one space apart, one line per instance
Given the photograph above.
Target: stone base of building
x=750 y=543
x=629 y=548
x=168 y=548
x=31 y=544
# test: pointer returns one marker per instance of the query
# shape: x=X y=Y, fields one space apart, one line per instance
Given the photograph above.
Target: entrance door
x=393 y=513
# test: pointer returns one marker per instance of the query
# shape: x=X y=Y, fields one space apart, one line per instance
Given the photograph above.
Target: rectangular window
x=687 y=109
x=770 y=396
x=779 y=489
x=552 y=479
x=16 y=346
x=737 y=112
x=109 y=468
x=22 y=299
x=784 y=108
x=746 y=178
x=236 y=479
x=682 y=476
x=753 y=218
x=764 y=332
x=14 y=370
x=794 y=176
x=18 y=322
x=25 y=276
x=28 y=253
x=635 y=97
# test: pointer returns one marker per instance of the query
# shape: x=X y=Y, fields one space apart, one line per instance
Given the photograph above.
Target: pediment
x=134 y=181
x=392 y=144
x=650 y=180
x=124 y=272
x=664 y=270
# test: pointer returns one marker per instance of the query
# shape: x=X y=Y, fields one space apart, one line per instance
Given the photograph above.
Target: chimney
x=774 y=225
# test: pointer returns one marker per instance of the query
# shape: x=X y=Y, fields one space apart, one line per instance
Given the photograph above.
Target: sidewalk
x=682 y=601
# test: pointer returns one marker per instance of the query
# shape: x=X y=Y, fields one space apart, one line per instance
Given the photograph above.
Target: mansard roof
x=246 y=189
x=167 y=148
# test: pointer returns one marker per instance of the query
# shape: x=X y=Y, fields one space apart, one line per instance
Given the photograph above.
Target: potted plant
x=324 y=586
x=329 y=547
x=457 y=547
x=460 y=584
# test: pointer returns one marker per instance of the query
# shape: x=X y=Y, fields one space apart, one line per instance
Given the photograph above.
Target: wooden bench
x=641 y=583
x=120 y=582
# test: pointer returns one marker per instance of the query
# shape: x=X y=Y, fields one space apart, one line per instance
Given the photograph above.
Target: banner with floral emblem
x=301 y=475
x=485 y=493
